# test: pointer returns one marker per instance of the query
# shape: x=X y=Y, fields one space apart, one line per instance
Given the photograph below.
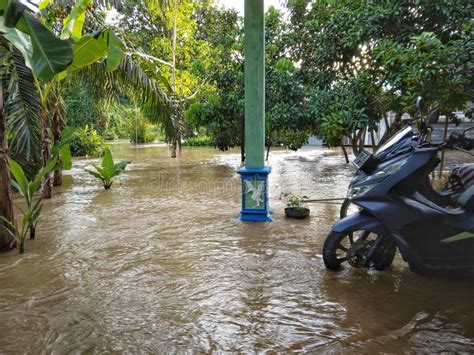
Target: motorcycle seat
x=466 y=199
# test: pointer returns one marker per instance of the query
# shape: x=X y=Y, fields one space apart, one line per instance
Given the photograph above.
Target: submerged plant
x=60 y=155
x=108 y=169
x=27 y=189
x=17 y=234
x=87 y=142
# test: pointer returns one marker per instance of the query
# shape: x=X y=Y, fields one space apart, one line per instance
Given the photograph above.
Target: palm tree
x=142 y=86
x=30 y=75
x=6 y=207
x=19 y=108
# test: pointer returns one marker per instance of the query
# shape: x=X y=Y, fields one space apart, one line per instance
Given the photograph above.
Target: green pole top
x=254 y=84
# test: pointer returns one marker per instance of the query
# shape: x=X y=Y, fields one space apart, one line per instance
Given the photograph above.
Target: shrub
x=87 y=142
x=110 y=135
x=142 y=132
x=121 y=120
x=201 y=141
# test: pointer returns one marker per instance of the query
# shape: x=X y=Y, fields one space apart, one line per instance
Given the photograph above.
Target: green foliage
x=110 y=135
x=120 y=122
x=23 y=107
x=83 y=107
x=142 y=132
x=362 y=59
x=44 y=54
x=62 y=149
x=17 y=234
x=440 y=72
x=287 y=119
x=27 y=188
x=201 y=141
x=220 y=110
x=108 y=169
x=87 y=142
x=294 y=201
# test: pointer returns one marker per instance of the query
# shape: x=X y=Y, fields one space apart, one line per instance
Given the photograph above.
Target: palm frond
x=23 y=107
x=132 y=81
x=104 y=4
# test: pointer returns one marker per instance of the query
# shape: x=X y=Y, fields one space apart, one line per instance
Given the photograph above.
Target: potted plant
x=295 y=207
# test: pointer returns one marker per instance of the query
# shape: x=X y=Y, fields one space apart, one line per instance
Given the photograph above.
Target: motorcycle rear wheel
x=351 y=247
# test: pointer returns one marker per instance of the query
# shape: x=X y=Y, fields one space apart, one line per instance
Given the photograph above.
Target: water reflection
x=159 y=262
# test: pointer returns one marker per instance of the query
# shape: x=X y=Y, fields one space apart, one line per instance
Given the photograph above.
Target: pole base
x=255 y=194
x=251 y=217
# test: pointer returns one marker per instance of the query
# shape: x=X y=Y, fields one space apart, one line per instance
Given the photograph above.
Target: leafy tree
x=25 y=45
x=6 y=205
x=364 y=58
x=169 y=32
x=83 y=107
x=221 y=109
x=287 y=119
x=49 y=59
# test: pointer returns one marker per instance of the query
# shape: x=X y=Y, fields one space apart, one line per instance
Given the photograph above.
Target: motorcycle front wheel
x=353 y=247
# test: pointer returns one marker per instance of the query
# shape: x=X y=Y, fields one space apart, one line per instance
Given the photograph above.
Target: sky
x=239 y=4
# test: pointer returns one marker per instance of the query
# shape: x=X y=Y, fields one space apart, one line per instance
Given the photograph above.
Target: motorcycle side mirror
x=420 y=104
x=433 y=117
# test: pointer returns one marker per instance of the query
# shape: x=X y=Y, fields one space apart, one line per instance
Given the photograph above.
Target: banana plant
x=108 y=169
x=51 y=59
x=17 y=234
x=27 y=190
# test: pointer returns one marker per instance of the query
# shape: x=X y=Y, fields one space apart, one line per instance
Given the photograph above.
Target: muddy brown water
x=160 y=264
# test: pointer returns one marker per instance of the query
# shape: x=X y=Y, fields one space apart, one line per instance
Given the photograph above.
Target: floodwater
x=160 y=263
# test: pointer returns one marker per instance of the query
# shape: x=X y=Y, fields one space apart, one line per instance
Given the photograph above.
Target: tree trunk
x=354 y=143
x=173 y=147
x=6 y=205
x=46 y=186
x=372 y=138
x=269 y=145
x=173 y=45
x=174 y=143
x=445 y=136
x=362 y=140
x=356 y=137
x=346 y=156
x=58 y=173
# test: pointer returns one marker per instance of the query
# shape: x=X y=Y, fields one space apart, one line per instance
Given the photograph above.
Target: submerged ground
x=160 y=262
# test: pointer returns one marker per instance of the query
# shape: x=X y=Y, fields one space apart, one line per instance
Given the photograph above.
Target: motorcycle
x=398 y=208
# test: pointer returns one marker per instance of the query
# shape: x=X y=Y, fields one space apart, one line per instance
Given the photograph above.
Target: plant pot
x=297 y=212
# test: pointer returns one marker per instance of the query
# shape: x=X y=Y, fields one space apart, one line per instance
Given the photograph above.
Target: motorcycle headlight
x=388 y=170
x=358 y=191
